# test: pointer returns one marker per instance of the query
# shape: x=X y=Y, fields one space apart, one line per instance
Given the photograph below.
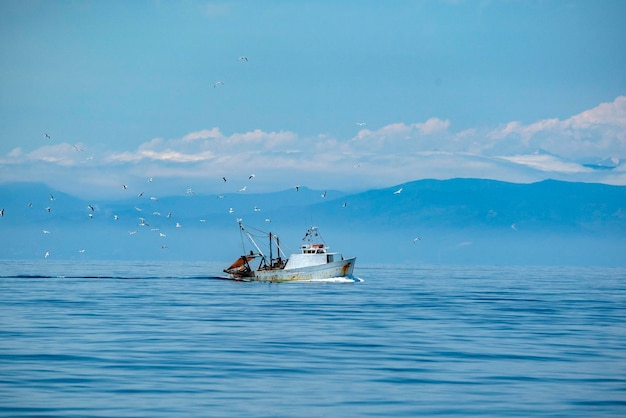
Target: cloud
x=566 y=149
x=595 y=133
x=547 y=163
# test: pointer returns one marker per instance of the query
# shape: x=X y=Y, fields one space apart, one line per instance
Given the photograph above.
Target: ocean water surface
x=169 y=339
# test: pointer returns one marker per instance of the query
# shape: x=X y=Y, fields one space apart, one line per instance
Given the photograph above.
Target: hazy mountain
x=458 y=221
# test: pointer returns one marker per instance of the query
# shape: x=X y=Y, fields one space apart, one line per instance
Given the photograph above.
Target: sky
x=348 y=95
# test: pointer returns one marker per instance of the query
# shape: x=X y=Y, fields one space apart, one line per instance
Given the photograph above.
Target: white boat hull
x=334 y=270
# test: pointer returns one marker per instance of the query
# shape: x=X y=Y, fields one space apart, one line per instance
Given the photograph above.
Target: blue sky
x=347 y=95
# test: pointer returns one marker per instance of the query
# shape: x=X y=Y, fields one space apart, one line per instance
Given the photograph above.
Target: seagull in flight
x=257 y=209
x=251 y=176
x=45 y=231
x=243 y=189
x=77 y=148
x=116 y=217
x=219 y=83
x=297 y=188
x=47 y=254
x=398 y=191
x=324 y=194
x=243 y=58
x=190 y=191
x=90 y=207
x=47 y=136
x=344 y=204
x=361 y=123
x=416 y=239
x=224 y=178
x=52 y=197
x=124 y=186
x=1 y=212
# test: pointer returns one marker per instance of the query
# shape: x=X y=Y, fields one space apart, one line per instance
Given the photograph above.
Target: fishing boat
x=314 y=262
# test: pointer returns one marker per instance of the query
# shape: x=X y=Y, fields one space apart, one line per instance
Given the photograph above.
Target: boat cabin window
x=330 y=258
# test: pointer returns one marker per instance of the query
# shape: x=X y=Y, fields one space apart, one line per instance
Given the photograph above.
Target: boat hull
x=334 y=270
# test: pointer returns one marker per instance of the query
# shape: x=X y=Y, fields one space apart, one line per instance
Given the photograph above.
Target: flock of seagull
x=142 y=219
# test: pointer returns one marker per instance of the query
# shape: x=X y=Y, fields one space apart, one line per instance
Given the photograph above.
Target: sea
x=172 y=339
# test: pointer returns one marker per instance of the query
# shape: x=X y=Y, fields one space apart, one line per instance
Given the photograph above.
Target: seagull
x=30 y=204
x=2 y=212
x=219 y=83
x=52 y=197
x=132 y=232
x=243 y=58
x=150 y=180
x=77 y=148
x=164 y=247
x=156 y=213
x=257 y=209
x=416 y=239
x=220 y=196
x=90 y=207
x=230 y=210
x=324 y=194
x=138 y=209
x=45 y=231
x=90 y=216
x=344 y=204
x=81 y=251
x=116 y=217
x=48 y=209
x=47 y=254
x=169 y=215
x=243 y=189
x=143 y=222
x=161 y=234
x=140 y=194
x=154 y=198
x=224 y=178
x=361 y=123
x=178 y=225
x=398 y=191
x=297 y=188
x=356 y=166
x=47 y=136
x=189 y=191
x=251 y=176
x=124 y=186
x=514 y=227
x=268 y=220
x=203 y=220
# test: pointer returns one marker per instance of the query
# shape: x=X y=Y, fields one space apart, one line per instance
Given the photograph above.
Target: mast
x=270 y=249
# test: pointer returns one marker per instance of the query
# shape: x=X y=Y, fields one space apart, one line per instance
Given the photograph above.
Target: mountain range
x=458 y=221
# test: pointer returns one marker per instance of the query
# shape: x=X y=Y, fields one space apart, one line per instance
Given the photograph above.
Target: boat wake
x=60 y=276
x=345 y=279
